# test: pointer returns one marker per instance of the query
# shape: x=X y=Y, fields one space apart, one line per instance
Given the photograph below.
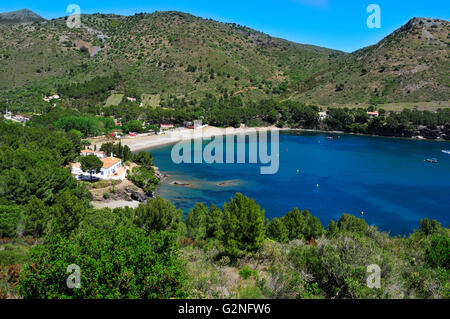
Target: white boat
x=446 y=152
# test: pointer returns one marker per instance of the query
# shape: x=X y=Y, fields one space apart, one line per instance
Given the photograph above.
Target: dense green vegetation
x=234 y=111
x=407 y=123
x=119 y=151
x=143 y=176
x=126 y=253
x=88 y=126
x=47 y=224
x=151 y=252
x=119 y=262
x=97 y=86
x=40 y=199
x=233 y=75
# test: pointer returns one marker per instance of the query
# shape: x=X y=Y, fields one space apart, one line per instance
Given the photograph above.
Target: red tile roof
x=110 y=161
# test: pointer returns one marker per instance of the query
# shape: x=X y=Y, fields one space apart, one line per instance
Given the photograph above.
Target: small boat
x=331 y=138
x=432 y=160
x=446 y=152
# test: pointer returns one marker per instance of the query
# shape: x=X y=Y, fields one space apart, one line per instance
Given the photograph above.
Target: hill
x=20 y=16
x=172 y=54
x=410 y=65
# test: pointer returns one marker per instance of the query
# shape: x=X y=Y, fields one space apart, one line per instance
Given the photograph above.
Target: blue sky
x=337 y=24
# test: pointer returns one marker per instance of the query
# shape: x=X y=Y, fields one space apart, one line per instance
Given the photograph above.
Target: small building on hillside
x=115 y=135
x=373 y=114
x=19 y=118
x=112 y=169
x=87 y=152
x=53 y=97
x=322 y=116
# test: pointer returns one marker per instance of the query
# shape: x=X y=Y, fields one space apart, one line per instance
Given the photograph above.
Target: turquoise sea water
x=385 y=178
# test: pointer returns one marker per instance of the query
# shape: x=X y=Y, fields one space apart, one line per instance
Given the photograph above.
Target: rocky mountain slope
x=20 y=16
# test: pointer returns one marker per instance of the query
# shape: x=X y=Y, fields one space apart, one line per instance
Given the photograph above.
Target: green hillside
x=410 y=65
x=173 y=54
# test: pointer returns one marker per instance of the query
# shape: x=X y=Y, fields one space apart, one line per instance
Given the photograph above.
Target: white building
x=87 y=152
x=112 y=169
x=53 y=97
x=373 y=114
x=322 y=116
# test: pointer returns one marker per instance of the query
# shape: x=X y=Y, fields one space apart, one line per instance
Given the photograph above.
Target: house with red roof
x=112 y=169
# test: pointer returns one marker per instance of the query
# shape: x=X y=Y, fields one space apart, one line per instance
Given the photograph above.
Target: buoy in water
x=317 y=185
x=298 y=171
x=362 y=213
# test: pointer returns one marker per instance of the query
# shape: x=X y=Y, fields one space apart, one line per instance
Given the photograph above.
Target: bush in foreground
x=119 y=263
x=243 y=226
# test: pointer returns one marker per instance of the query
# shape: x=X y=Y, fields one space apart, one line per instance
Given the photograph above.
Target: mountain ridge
x=19 y=16
x=172 y=53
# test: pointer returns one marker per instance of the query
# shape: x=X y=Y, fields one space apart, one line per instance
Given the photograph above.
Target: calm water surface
x=385 y=178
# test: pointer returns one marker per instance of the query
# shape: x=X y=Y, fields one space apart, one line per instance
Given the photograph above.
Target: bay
x=386 y=178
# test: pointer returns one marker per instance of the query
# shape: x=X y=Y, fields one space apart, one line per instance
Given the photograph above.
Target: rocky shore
x=123 y=194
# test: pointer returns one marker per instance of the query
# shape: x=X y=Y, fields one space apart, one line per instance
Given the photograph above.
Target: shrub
x=36 y=217
x=437 y=254
x=246 y=272
x=196 y=222
x=332 y=229
x=339 y=266
x=429 y=227
x=144 y=178
x=13 y=253
x=302 y=225
x=67 y=213
x=158 y=214
x=9 y=220
x=351 y=223
x=276 y=230
x=243 y=226
x=251 y=292
x=119 y=263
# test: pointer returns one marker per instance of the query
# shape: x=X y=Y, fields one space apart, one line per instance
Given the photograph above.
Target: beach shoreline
x=147 y=142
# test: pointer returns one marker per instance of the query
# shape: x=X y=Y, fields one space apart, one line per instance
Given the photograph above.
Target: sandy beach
x=144 y=142
x=115 y=204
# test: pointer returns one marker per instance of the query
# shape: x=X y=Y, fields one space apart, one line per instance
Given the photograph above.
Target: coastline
x=178 y=181
x=146 y=142
x=142 y=143
x=413 y=138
